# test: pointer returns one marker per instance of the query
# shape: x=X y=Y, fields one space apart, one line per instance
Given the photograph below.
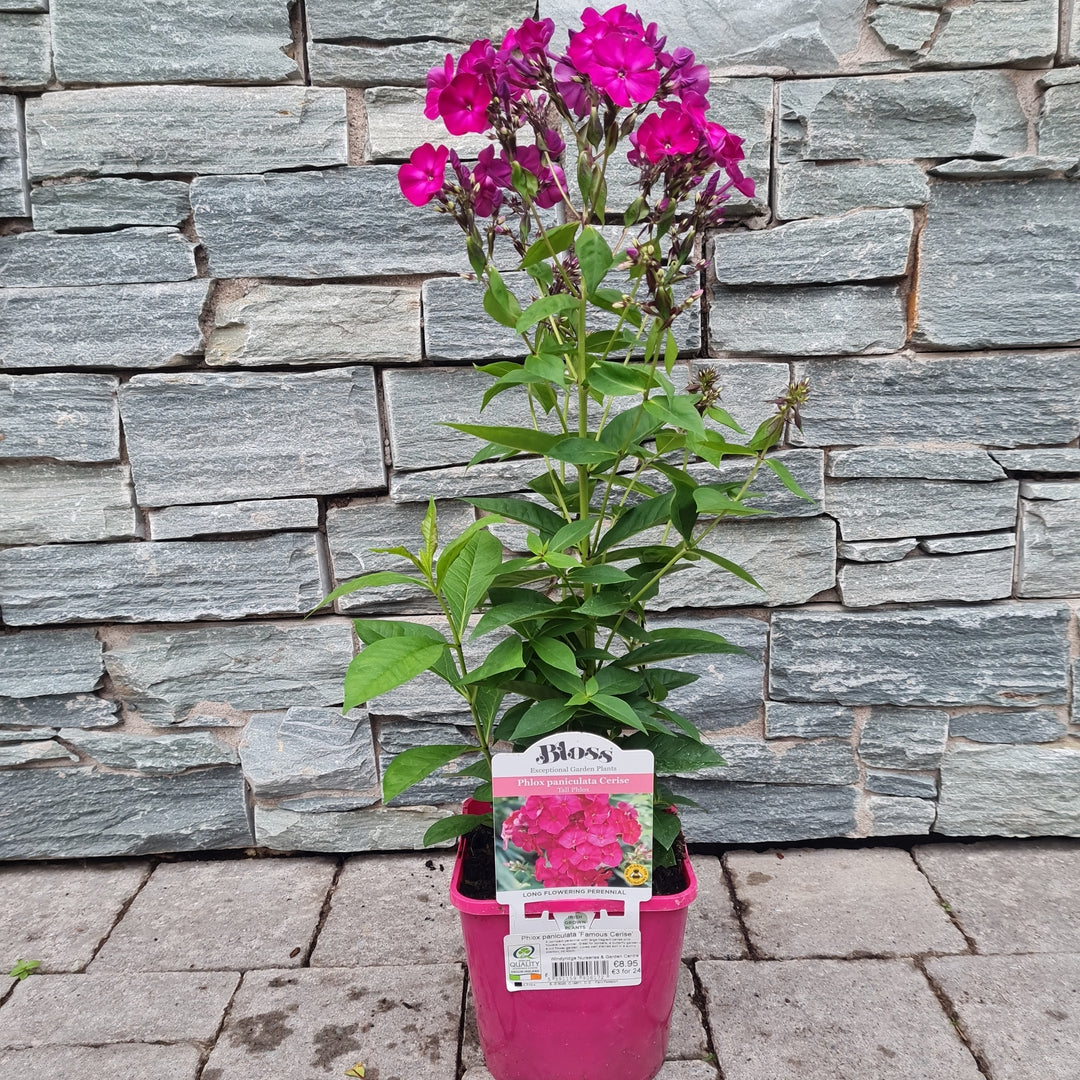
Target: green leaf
x=617 y=709
x=468 y=578
x=678 y=754
x=499 y=302
x=571 y=535
x=684 y=511
x=546 y=522
x=786 y=478
x=618 y=380
x=453 y=549
x=546 y=306
x=637 y=519
x=524 y=182
x=530 y=606
x=732 y=568
x=386 y=664
x=666 y=829
x=711 y=501
x=23 y=969
x=556 y=653
x=368 y=581
x=429 y=530
x=593 y=255
x=528 y=439
x=546 y=366
x=552 y=243
x=600 y=604
x=679 y=412
x=416 y=764
x=600 y=574
x=506 y=656
x=449 y=828
x=541 y=718
x=369 y=630
x=578 y=451
x=722 y=416
x=671 y=642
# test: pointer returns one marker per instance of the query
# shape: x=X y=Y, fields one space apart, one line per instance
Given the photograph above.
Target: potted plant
x=614 y=507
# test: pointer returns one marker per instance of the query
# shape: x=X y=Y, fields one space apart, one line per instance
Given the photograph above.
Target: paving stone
x=712 y=927
x=670 y=1070
x=997 y=400
x=860 y=246
x=807 y=189
x=1009 y=896
x=1050 y=545
x=50 y=501
x=129 y=326
x=152 y=754
x=1028 y=726
x=963 y=242
x=832 y=902
x=808 y=320
x=116 y=1061
x=250 y=435
x=347 y=831
x=308 y=749
x=973 y=577
x=22 y=753
x=59 y=913
x=442 y=786
x=764 y=813
x=147 y=41
x=14 y=194
x=1007 y=654
x=908 y=785
x=255 y=515
x=96 y=1009
x=1009 y=791
x=213 y=676
x=397 y=64
x=103 y=204
x=396 y=126
x=176 y=581
x=65 y=417
x=59 y=710
x=318 y=324
x=34 y=663
x=898 y=816
x=876 y=551
x=1025 y=166
x=25 y=52
x=335 y=223
x=1059 y=129
x=282 y=897
x=299 y=1023
x=901 y=461
x=834 y=1017
x=954 y=545
x=880 y=509
x=353 y=530
x=1014 y=1010
x=754 y=761
x=686 y=1036
x=960 y=114
x=42 y=259
x=458 y=481
x=786 y=721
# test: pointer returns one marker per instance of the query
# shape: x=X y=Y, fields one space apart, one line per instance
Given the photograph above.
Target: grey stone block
x=1059 y=128
x=34 y=663
x=798 y=721
x=65 y=417
x=338 y=223
x=771 y=497
x=1062 y=460
x=282 y=897
x=1003 y=654
x=42 y=259
x=903 y=29
x=251 y=435
x=963 y=241
x=165 y=753
x=81 y=813
x=442 y=786
x=970 y=578
x=59 y=710
x=31 y=734
x=1026 y=166
x=258 y=515
x=184 y=129
x=348 y=831
x=383 y=20
x=353 y=530
x=1009 y=791
x=319 y=324
x=959 y=114
x=904 y=738
x=793 y=560
x=25 y=51
x=748 y=388
x=396 y=126
x=881 y=509
x=179 y=581
x=907 y=785
x=308 y=749
x=103 y=204
x=808 y=320
x=955 y=545
x=860 y=246
x=214 y=676
x=86 y=1008
x=1050 y=490
x=117 y=1061
x=754 y=761
x=996 y=400
x=397 y=64
x=14 y=194
x=73 y=909
x=712 y=928
x=901 y=461
x=807 y=189
x=1050 y=544
x=831 y=902
x=146 y=41
x=458 y=481
x=1009 y=897
x=893 y=816
x=764 y=813
x=128 y=326
x=22 y=753
x=403 y=904
x=876 y=551
x=1070 y=43
x=1028 y=726
x=337 y=1018
x=51 y=501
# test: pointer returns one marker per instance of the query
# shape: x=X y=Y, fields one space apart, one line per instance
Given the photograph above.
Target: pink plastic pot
x=588 y=1034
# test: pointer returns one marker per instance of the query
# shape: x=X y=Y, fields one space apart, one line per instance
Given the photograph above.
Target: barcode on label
x=578 y=969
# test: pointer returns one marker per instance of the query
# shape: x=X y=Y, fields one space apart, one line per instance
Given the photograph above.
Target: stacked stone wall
x=225 y=341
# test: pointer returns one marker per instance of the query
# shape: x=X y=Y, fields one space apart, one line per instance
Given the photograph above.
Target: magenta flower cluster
x=576 y=837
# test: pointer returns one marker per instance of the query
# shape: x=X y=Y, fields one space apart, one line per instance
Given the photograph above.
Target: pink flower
x=531 y=37
x=437 y=81
x=687 y=76
x=422 y=178
x=463 y=104
x=663 y=134
x=624 y=68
